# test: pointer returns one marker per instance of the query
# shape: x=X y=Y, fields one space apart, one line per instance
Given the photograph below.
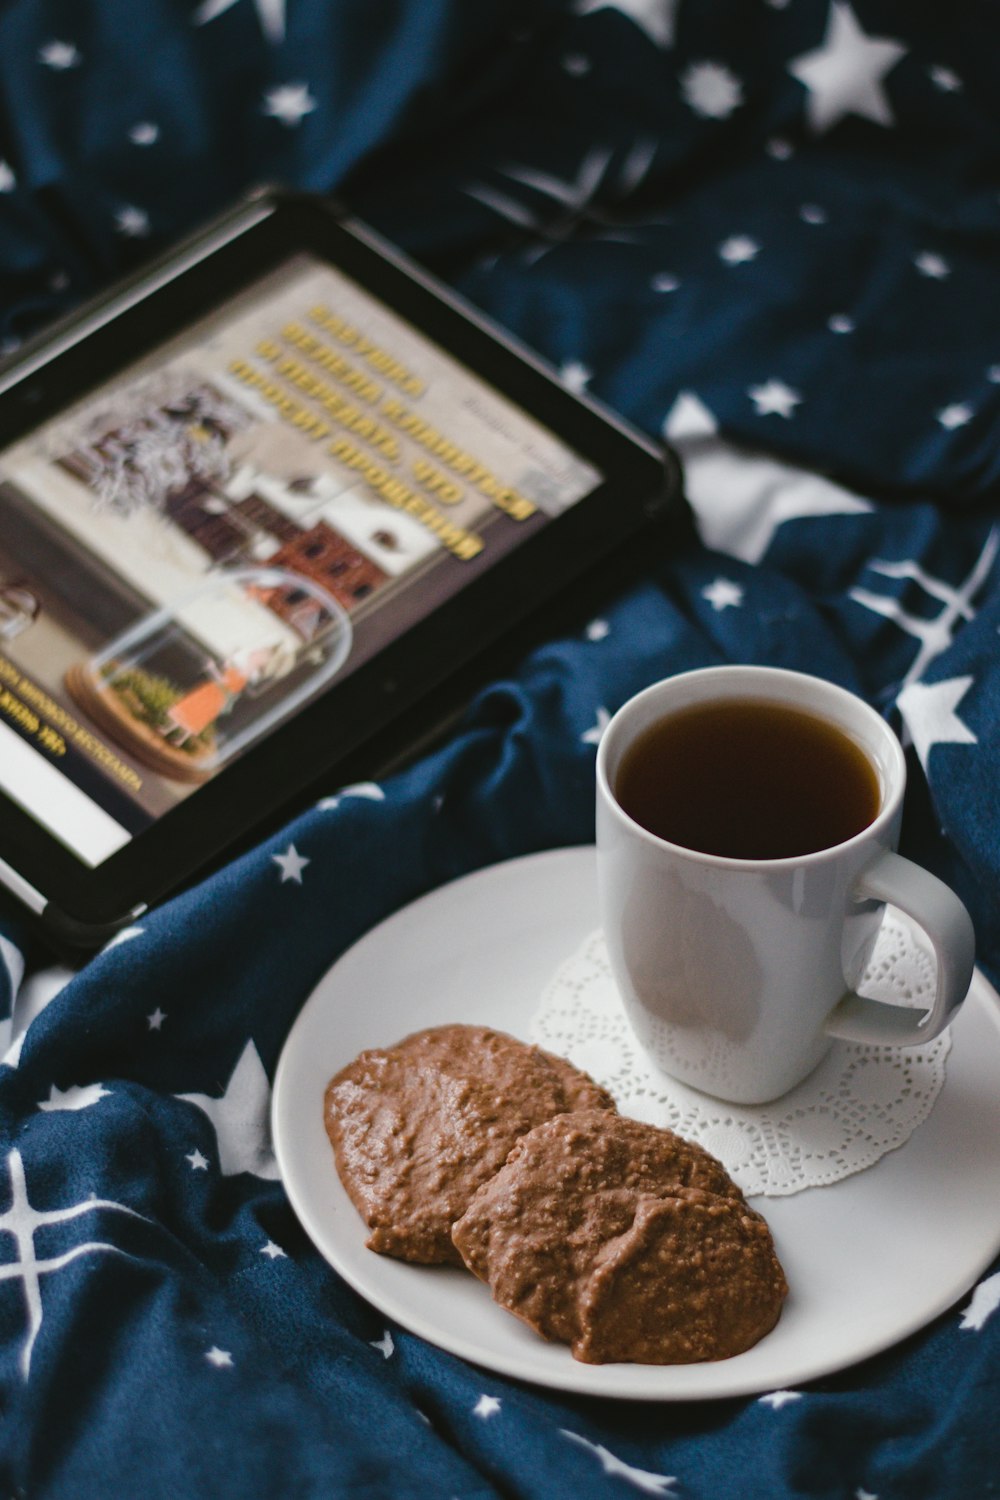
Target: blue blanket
x=767 y=229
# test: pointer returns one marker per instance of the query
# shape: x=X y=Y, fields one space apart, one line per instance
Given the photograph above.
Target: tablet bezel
x=641 y=488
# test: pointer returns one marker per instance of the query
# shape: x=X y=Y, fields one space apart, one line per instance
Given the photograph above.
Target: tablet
x=258 y=504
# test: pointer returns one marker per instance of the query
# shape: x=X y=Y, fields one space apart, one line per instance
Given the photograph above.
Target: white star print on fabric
x=738 y=249
x=723 y=593
x=778 y=1399
x=930 y=264
x=985 y=1301
x=655 y=17
x=593 y=735
x=366 y=789
x=22 y=1221
x=289 y=103
x=844 y=76
x=575 y=375
x=144 y=133
x=665 y=281
x=60 y=55
x=780 y=149
x=955 y=415
x=270 y=14
x=486 y=1406
x=945 y=80
x=928 y=710
x=840 y=323
x=642 y=1479
x=125 y=936
x=811 y=213
x=240 y=1118
x=80 y=1096
x=740 y=499
x=291 y=864
x=198 y=1162
x=220 y=1358
x=711 y=90
x=132 y=222
x=774 y=397
x=597 y=630
x=8 y=182
x=864 y=1495
x=384 y=1345
x=156 y=1018
x=273 y=1251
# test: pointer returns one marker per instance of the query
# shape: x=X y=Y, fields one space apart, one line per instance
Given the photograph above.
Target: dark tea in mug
x=748 y=778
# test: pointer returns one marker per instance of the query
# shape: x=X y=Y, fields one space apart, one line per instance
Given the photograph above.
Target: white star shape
x=78 y=1096
x=270 y=14
x=273 y=1251
x=384 y=1345
x=132 y=222
x=289 y=103
x=928 y=710
x=945 y=80
x=864 y=1495
x=738 y=249
x=369 y=791
x=993 y=374
x=665 y=281
x=985 y=1301
x=240 y=1118
x=778 y=1399
x=928 y=263
x=575 y=375
x=156 y=1018
x=198 y=1162
x=844 y=75
x=8 y=182
x=811 y=213
x=144 y=133
x=291 y=864
x=955 y=415
x=723 y=593
x=711 y=90
x=780 y=149
x=60 y=55
x=220 y=1358
x=597 y=630
x=643 y=1479
x=486 y=1406
x=593 y=735
x=576 y=65
x=655 y=17
x=725 y=486
x=774 y=397
x=840 y=323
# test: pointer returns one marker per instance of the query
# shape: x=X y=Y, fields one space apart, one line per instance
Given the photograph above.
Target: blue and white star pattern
x=766 y=231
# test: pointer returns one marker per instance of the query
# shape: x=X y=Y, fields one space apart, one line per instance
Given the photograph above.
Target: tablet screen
x=238 y=521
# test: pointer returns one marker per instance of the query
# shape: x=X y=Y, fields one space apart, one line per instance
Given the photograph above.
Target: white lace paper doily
x=861 y=1101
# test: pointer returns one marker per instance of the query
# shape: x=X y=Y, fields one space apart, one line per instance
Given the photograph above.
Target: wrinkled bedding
x=767 y=231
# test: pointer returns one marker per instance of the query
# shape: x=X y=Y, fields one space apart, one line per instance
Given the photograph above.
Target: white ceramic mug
x=736 y=974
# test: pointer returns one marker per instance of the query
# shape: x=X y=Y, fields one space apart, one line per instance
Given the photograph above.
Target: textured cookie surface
x=624 y=1241
x=418 y=1127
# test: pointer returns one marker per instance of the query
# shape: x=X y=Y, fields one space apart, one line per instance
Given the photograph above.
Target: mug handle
x=935 y=908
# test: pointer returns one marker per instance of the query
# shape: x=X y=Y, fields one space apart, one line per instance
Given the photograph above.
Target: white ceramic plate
x=869 y=1260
